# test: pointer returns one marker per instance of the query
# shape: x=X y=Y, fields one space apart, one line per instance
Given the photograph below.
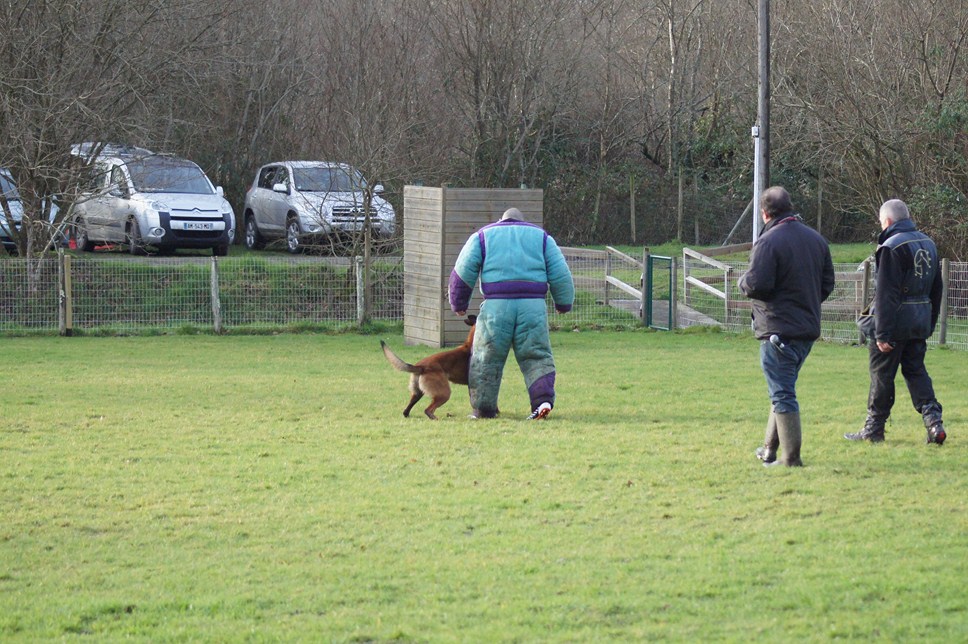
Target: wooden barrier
x=437 y=223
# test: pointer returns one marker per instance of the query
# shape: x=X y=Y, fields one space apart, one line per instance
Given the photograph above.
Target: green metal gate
x=660 y=289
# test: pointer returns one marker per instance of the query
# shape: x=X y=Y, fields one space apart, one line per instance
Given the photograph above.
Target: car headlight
x=158 y=206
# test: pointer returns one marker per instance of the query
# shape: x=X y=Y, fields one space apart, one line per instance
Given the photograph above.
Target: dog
x=432 y=375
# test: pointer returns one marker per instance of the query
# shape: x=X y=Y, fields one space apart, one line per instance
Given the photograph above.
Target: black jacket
x=908 y=286
x=790 y=275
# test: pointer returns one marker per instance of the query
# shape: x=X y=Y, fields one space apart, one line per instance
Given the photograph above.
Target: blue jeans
x=781 y=368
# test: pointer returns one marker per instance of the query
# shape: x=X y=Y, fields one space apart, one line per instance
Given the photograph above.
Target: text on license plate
x=198 y=225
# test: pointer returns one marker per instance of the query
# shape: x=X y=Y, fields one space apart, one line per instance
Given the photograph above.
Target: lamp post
x=761 y=131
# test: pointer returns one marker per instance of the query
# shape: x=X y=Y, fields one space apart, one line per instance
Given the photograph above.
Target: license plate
x=198 y=225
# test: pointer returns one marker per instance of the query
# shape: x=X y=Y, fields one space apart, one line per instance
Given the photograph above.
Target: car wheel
x=253 y=239
x=292 y=235
x=132 y=233
x=81 y=239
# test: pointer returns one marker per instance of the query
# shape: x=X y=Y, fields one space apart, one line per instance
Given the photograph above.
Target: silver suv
x=140 y=198
x=302 y=201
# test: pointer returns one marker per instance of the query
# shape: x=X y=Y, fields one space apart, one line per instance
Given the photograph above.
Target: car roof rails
x=86 y=150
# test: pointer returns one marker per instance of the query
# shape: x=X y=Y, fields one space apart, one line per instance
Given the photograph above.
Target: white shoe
x=541 y=412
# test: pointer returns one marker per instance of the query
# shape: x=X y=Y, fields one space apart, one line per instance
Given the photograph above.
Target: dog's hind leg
x=415 y=394
x=413 y=401
x=438 y=401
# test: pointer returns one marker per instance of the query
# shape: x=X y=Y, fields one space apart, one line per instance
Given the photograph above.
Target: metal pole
x=673 y=296
x=757 y=184
x=761 y=132
x=763 y=105
x=645 y=303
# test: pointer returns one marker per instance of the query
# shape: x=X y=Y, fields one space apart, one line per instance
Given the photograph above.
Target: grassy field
x=267 y=488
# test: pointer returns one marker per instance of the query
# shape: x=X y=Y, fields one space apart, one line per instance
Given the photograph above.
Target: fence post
x=65 y=305
x=360 y=292
x=685 y=279
x=865 y=294
x=645 y=285
x=608 y=272
x=216 y=299
x=673 y=296
x=943 y=316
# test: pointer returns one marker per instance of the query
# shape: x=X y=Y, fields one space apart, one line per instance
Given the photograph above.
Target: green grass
x=267 y=488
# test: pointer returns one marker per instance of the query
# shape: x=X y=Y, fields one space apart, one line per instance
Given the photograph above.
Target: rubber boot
x=788 y=429
x=767 y=451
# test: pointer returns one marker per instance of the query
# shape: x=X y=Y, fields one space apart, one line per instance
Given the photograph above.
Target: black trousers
x=909 y=356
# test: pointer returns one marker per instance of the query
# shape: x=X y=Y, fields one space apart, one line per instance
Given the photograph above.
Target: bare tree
x=74 y=72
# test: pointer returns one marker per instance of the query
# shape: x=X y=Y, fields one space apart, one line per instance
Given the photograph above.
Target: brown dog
x=433 y=374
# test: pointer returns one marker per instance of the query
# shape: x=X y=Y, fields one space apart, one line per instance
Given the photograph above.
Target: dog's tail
x=397 y=363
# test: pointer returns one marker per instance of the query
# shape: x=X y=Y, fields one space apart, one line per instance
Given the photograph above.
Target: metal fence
x=119 y=294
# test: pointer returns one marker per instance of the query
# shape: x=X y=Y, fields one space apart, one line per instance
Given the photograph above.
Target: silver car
x=140 y=198
x=302 y=201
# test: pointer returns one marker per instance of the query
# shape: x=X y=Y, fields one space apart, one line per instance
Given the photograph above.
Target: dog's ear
x=470 y=320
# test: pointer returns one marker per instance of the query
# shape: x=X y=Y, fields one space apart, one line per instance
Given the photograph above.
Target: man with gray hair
x=907 y=302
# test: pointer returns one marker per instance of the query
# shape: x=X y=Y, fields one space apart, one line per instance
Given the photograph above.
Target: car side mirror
x=378 y=189
x=219 y=191
x=281 y=187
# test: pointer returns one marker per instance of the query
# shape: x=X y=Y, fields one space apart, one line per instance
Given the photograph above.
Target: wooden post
x=216 y=298
x=68 y=295
x=865 y=294
x=608 y=272
x=632 y=206
x=943 y=315
x=360 y=292
x=820 y=202
x=679 y=209
x=65 y=312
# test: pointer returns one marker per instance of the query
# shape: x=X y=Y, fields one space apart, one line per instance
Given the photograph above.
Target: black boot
x=872 y=431
x=931 y=415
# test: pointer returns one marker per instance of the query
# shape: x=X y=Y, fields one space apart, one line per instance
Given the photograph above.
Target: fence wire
x=121 y=294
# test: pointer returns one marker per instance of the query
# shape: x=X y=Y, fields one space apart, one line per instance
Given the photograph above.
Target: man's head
x=775 y=202
x=512 y=213
x=892 y=211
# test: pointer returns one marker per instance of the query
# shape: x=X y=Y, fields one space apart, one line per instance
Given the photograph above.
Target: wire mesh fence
x=127 y=295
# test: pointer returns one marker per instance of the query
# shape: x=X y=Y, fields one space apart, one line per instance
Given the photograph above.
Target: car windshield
x=327 y=180
x=161 y=174
x=9 y=190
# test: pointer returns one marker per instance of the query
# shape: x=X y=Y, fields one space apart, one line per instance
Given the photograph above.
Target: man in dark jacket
x=907 y=301
x=790 y=275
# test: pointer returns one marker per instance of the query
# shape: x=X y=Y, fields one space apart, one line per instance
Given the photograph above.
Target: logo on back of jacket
x=922 y=263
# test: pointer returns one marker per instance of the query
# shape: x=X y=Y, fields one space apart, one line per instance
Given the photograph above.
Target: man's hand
x=885 y=347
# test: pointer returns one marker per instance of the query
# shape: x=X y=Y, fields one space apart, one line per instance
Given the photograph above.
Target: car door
x=94 y=207
x=113 y=216
x=257 y=199
x=277 y=203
